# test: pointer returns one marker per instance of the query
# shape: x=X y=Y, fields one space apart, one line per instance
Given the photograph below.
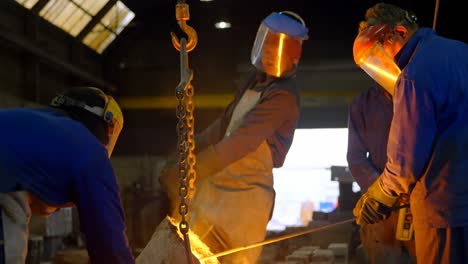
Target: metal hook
x=182 y=15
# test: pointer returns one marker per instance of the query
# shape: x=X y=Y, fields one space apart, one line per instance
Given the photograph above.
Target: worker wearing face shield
x=236 y=154
x=427 y=147
x=58 y=156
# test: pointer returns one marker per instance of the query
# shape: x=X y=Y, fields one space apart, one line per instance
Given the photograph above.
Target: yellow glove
x=375 y=205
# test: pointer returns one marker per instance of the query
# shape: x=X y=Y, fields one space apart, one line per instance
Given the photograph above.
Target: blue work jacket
x=60 y=161
x=428 y=141
x=370 y=115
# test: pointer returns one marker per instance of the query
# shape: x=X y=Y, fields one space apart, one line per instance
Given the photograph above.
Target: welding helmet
x=369 y=54
x=96 y=102
x=278 y=45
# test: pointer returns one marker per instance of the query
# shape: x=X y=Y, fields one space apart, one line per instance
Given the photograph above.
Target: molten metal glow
x=199 y=249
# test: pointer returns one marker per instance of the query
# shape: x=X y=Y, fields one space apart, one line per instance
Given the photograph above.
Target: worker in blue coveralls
x=427 y=151
x=236 y=154
x=370 y=115
x=58 y=156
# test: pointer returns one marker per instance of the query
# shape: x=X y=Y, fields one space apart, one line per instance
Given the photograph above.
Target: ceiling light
x=206 y=0
x=222 y=25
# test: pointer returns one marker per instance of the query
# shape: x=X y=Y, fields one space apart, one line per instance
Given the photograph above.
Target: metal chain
x=191 y=158
x=185 y=124
x=182 y=148
x=186 y=145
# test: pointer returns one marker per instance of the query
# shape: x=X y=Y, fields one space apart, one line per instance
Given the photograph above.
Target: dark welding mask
x=278 y=45
x=370 y=55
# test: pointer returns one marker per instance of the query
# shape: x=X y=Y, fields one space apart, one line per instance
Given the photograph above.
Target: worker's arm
x=412 y=135
x=209 y=136
x=260 y=123
x=362 y=169
x=100 y=211
x=257 y=125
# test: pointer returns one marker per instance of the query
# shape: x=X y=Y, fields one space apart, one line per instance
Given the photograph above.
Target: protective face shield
x=278 y=45
x=110 y=111
x=369 y=54
x=114 y=118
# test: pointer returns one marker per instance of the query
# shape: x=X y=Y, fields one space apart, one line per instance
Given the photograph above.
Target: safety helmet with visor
x=109 y=111
x=370 y=55
x=278 y=44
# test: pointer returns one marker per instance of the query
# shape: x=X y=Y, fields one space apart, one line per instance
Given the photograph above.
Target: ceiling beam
x=308 y=99
x=23 y=43
x=96 y=19
x=38 y=6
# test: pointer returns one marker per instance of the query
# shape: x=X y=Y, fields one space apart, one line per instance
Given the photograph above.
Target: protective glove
x=375 y=205
x=207 y=164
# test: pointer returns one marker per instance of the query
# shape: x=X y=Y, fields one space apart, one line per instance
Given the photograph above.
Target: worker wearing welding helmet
x=236 y=154
x=58 y=156
x=427 y=147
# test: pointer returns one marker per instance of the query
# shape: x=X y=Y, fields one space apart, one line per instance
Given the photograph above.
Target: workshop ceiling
x=331 y=22
x=142 y=63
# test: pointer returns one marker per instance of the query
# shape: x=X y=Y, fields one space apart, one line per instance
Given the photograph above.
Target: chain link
x=186 y=147
x=191 y=159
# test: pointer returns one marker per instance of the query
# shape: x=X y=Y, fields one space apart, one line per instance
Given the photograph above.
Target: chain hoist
x=185 y=123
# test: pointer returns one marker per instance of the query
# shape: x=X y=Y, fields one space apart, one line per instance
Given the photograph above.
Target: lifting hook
x=182 y=15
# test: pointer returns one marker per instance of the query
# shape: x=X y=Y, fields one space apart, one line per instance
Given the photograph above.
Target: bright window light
x=222 y=25
x=304 y=183
x=27 y=3
x=109 y=27
x=74 y=15
x=71 y=16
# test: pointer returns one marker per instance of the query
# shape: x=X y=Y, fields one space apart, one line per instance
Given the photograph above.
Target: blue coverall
x=428 y=144
x=60 y=161
x=370 y=116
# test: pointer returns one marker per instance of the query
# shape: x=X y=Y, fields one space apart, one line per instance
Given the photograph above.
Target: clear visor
x=114 y=117
x=370 y=55
x=276 y=54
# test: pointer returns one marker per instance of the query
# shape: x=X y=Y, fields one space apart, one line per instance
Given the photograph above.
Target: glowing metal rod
x=273 y=240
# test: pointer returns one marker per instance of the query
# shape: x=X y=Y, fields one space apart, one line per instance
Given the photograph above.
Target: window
x=109 y=27
x=303 y=184
x=74 y=15
x=27 y=3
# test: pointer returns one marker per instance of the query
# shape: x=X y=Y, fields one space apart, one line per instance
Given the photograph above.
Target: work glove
x=375 y=205
x=207 y=164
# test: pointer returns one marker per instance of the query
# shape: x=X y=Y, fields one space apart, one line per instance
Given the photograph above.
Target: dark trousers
x=2 y=241
x=441 y=245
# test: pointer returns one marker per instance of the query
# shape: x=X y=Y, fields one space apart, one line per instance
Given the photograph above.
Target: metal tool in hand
x=404 y=230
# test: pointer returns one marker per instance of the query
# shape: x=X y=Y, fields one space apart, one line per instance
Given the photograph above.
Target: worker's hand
x=208 y=163
x=375 y=205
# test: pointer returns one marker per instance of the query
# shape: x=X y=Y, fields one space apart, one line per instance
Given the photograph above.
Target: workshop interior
x=146 y=54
